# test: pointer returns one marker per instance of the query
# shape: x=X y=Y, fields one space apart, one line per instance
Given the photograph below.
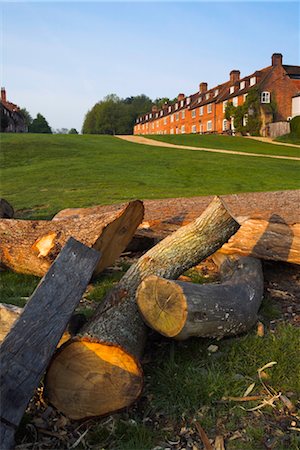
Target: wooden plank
x=27 y=349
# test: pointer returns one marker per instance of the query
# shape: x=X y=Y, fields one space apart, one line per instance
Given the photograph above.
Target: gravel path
x=145 y=141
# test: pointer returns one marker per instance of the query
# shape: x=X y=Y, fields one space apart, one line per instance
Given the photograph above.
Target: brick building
x=203 y=112
x=12 y=120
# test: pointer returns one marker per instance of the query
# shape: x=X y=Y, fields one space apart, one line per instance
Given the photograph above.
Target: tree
x=26 y=116
x=39 y=125
x=73 y=131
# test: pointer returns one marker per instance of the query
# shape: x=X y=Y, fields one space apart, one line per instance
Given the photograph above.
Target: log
x=28 y=347
x=10 y=313
x=6 y=210
x=30 y=246
x=181 y=310
x=271 y=214
x=106 y=354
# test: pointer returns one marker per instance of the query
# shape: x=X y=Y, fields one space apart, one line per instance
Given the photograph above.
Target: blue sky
x=61 y=58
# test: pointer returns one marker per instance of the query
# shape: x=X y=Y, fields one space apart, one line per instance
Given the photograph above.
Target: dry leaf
x=219 y=443
x=249 y=389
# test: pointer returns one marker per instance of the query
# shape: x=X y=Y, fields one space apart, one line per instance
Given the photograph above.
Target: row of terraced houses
x=204 y=111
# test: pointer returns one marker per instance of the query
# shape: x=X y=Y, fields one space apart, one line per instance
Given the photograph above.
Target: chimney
x=3 y=95
x=277 y=59
x=202 y=87
x=234 y=76
x=180 y=97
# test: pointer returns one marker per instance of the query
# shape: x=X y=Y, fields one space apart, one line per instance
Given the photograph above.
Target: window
x=194 y=128
x=209 y=125
x=182 y=103
x=177 y=130
x=188 y=100
x=245 y=96
x=235 y=101
x=165 y=121
x=201 y=128
x=147 y=125
x=161 y=113
x=231 y=90
x=193 y=114
x=177 y=116
x=207 y=96
x=183 y=129
x=156 y=115
x=172 y=118
x=265 y=97
x=201 y=110
x=224 y=125
x=245 y=120
x=216 y=92
x=143 y=126
x=252 y=81
x=199 y=99
x=172 y=131
x=169 y=109
x=176 y=105
x=183 y=114
x=242 y=84
x=209 y=108
x=224 y=105
x=150 y=115
x=157 y=124
x=147 y=117
x=152 y=125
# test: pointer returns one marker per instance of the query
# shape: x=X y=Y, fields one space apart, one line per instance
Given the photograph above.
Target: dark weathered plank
x=27 y=349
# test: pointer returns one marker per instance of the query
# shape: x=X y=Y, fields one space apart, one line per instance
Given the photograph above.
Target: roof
x=292 y=71
x=10 y=106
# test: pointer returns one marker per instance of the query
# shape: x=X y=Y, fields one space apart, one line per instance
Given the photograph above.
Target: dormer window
x=150 y=115
x=207 y=96
x=161 y=113
x=182 y=103
x=252 y=81
x=169 y=109
x=216 y=92
x=176 y=105
x=231 y=90
x=265 y=97
x=188 y=100
x=199 y=99
x=156 y=115
x=242 y=84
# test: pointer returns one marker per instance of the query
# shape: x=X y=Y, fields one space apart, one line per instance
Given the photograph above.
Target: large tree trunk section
x=6 y=210
x=181 y=310
x=10 y=313
x=27 y=349
x=275 y=241
x=29 y=246
x=106 y=355
x=273 y=215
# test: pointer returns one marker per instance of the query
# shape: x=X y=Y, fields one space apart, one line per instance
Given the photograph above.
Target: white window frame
x=224 y=125
x=201 y=111
x=245 y=120
x=176 y=105
x=216 y=92
x=199 y=99
x=172 y=131
x=194 y=129
x=242 y=85
x=193 y=113
x=209 y=125
x=188 y=100
x=201 y=128
x=265 y=97
x=224 y=105
x=182 y=129
x=207 y=96
x=209 y=108
x=252 y=81
x=183 y=114
x=245 y=96
x=231 y=90
x=169 y=109
x=152 y=125
x=177 y=116
x=161 y=113
x=235 y=101
x=182 y=103
x=165 y=120
x=172 y=118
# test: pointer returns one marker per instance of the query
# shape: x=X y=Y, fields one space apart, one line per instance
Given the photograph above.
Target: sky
x=60 y=58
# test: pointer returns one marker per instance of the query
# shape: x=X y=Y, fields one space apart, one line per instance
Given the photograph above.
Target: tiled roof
x=10 y=106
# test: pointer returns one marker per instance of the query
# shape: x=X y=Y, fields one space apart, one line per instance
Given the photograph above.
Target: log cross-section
x=181 y=310
x=107 y=353
x=28 y=347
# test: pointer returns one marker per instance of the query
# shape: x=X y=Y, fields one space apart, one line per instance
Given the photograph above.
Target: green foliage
x=39 y=125
x=26 y=115
x=73 y=131
x=3 y=121
x=114 y=115
x=295 y=126
x=15 y=288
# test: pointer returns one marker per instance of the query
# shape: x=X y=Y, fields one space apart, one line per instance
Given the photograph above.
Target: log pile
x=97 y=370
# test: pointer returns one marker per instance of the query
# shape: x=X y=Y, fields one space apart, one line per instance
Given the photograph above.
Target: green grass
x=289 y=139
x=41 y=174
x=234 y=143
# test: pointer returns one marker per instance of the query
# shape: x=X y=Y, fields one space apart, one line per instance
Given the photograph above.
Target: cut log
x=10 y=313
x=99 y=372
x=6 y=210
x=181 y=310
x=275 y=215
x=29 y=246
x=27 y=349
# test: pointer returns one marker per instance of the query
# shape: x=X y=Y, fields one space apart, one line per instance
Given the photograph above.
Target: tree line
x=115 y=115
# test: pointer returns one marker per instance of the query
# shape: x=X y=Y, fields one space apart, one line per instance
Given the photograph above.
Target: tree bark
x=107 y=353
x=181 y=310
x=29 y=246
x=272 y=233
x=27 y=349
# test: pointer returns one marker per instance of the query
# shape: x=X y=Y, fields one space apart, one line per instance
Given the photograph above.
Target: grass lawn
x=289 y=139
x=234 y=143
x=42 y=174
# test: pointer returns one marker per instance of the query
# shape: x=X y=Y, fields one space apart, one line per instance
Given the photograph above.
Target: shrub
x=295 y=126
